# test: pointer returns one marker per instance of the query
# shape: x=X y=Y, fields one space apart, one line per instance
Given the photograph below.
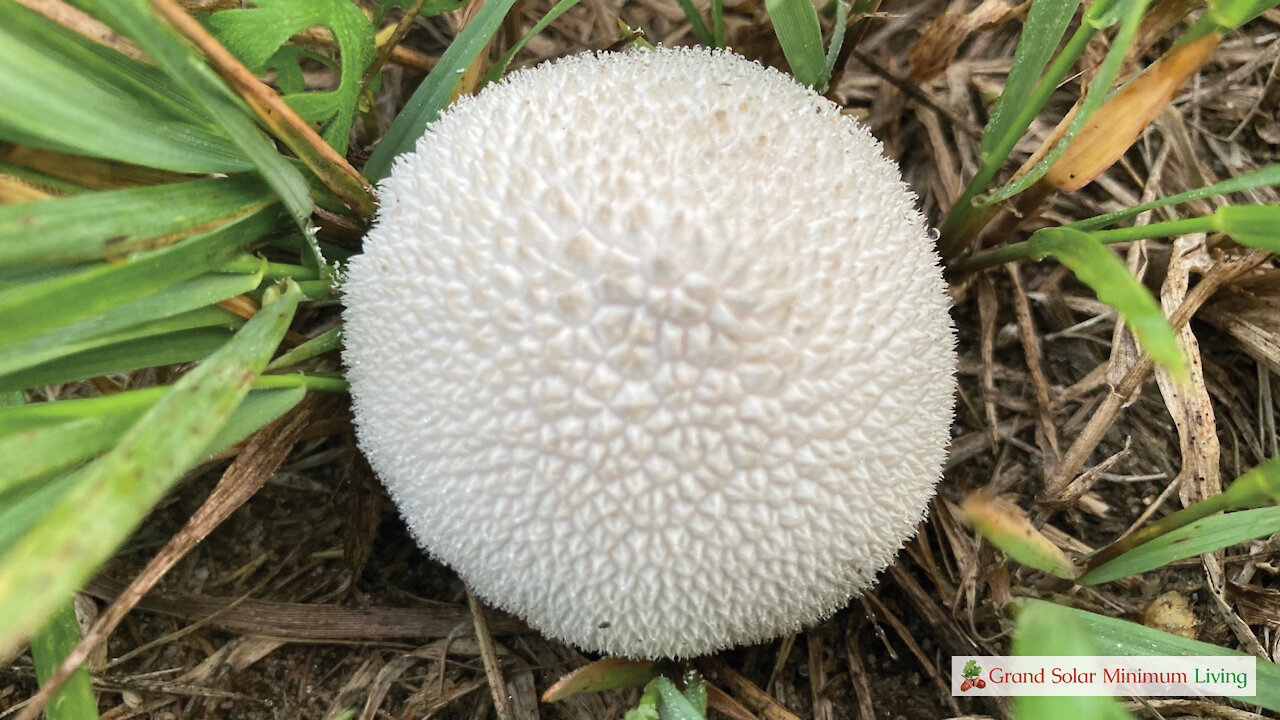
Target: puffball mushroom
x=653 y=349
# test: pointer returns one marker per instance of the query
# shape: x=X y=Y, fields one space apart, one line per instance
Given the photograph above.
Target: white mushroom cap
x=653 y=349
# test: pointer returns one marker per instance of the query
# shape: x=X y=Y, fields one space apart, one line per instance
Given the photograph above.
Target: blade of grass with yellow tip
x=1009 y=531
x=603 y=674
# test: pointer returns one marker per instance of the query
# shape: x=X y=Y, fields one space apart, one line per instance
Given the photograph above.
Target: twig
x=743 y=689
x=489 y=654
x=822 y=709
x=1107 y=413
x=915 y=93
x=397 y=35
x=858 y=671
x=909 y=640
x=1031 y=353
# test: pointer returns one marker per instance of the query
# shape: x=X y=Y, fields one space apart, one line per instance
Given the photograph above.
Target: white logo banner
x=1164 y=675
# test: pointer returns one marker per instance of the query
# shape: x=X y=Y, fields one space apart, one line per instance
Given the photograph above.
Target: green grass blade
x=503 y=62
x=118 y=222
x=313 y=382
x=1260 y=487
x=23 y=506
x=434 y=92
x=1121 y=638
x=1042 y=630
x=837 y=41
x=49 y=647
x=63 y=95
x=672 y=705
x=188 y=70
x=44 y=446
x=967 y=207
x=155 y=351
x=647 y=708
x=1187 y=541
x=1250 y=225
x=319 y=345
x=65 y=546
x=1100 y=269
x=1041 y=33
x=40 y=451
x=795 y=22
x=34 y=415
x=54 y=641
x=1227 y=15
x=34 y=309
x=259 y=408
x=695 y=21
x=1253 y=225
x=184 y=306
x=1131 y=12
x=1268 y=176
x=717 y=23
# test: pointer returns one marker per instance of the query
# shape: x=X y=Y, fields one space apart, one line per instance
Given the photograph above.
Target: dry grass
x=311 y=599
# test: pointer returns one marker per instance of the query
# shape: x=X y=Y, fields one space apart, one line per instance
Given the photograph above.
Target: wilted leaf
x=1113 y=128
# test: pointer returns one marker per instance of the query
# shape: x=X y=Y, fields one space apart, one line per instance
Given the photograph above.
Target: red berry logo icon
x=972 y=672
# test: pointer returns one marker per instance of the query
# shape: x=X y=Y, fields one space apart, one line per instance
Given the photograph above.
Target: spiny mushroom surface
x=653 y=349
